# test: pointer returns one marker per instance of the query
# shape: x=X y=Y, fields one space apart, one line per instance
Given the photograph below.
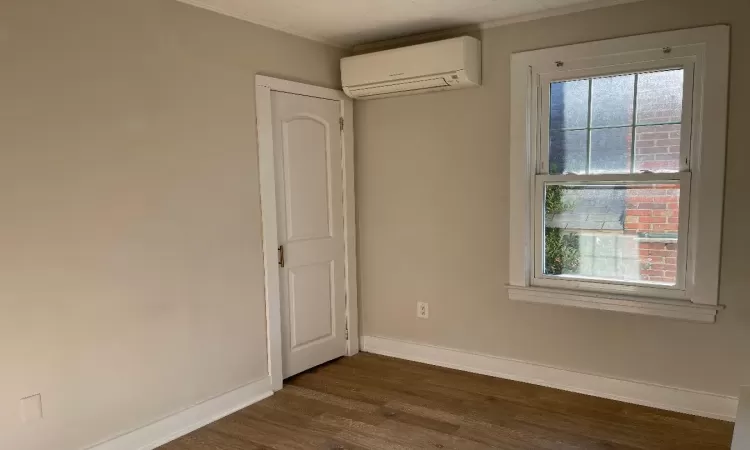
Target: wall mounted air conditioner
x=435 y=66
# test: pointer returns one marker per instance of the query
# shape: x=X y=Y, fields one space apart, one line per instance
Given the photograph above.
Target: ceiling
x=346 y=23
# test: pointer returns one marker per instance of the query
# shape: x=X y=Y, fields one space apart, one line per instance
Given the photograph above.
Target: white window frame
x=704 y=55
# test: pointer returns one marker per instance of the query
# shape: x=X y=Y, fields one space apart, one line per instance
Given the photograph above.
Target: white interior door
x=309 y=195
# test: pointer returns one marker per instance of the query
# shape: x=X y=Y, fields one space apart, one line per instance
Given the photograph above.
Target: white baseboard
x=646 y=394
x=172 y=427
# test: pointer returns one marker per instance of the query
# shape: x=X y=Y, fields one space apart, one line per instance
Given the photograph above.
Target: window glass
x=657 y=148
x=660 y=97
x=568 y=151
x=616 y=124
x=569 y=105
x=610 y=150
x=616 y=232
x=612 y=101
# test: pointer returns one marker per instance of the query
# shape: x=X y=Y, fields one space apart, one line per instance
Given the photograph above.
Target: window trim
x=708 y=49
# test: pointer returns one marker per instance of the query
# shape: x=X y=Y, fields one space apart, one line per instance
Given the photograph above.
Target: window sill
x=675 y=309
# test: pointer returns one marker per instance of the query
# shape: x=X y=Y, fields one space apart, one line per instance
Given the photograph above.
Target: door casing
x=264 y=85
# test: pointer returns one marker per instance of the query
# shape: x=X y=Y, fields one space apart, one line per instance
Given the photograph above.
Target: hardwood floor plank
x=328 y=399
x=210 y=439
x=375 y=402
x=420 y=421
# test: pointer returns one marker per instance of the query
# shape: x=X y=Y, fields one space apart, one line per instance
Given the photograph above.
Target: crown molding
x=552 y=12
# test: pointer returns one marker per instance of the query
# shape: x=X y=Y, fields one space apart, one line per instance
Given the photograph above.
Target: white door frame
x=263 y=87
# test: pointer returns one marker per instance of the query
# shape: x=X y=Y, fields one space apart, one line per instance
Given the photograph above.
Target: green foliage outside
x=562 y=253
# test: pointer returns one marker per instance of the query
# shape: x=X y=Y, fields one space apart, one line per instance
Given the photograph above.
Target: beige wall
x=432 y=192
x=131 y=277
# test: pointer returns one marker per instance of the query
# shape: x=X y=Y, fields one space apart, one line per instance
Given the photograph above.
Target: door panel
x=309 y=191
x=307 y=176
x=310 y=295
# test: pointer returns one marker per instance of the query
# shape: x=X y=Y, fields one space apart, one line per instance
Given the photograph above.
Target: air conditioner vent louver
x=401 y=87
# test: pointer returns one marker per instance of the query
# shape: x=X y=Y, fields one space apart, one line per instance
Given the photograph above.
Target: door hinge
x=341 y=123
x=346 y=329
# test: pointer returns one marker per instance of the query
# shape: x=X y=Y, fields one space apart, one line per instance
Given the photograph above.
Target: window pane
x=660 y=97
x=657 y=148
x=567 y=152
x=612 y=101
x=625 y=233
x=610 y=150
x=569 y=104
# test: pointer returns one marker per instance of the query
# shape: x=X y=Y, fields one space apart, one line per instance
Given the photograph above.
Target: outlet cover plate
x=423 y=310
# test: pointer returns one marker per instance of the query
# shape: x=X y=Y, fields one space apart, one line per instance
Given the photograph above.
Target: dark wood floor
x=374 y=402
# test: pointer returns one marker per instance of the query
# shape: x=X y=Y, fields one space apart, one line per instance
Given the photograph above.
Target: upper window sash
x=545 y=81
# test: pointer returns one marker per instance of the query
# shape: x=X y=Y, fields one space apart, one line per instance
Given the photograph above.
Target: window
x=617 y=153
x=621 y=228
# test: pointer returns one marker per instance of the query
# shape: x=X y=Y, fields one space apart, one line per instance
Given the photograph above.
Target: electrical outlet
x=423 y=310
x=31 y=408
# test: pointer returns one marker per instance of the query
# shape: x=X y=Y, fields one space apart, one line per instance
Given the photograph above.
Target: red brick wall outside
x=655 y=209
x=657 y=148
x=658 y=261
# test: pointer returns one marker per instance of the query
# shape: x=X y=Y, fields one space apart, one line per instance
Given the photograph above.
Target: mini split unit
x=435 y=66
